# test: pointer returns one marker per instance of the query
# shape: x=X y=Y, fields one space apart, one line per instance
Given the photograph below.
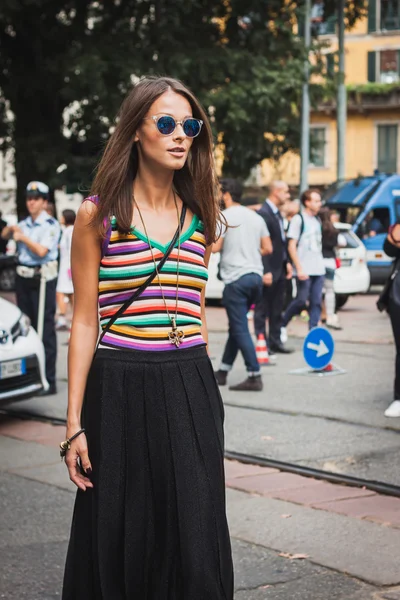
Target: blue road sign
x=318 y=348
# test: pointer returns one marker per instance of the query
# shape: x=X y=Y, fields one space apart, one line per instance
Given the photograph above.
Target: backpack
x=302 y=226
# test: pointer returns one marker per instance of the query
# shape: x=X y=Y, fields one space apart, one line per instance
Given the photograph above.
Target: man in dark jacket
x=276 y=269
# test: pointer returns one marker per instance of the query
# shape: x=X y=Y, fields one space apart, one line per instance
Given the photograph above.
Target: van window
x=397 y=210
x=347 y=214
x=376 y=222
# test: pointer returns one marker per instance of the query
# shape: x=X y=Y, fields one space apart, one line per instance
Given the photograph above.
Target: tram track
x=300 y=413
x=379 y=487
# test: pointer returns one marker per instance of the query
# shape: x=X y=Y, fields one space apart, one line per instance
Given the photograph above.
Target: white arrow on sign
x=321 y=348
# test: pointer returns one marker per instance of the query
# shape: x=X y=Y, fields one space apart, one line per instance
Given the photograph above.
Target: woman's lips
x=177 y=152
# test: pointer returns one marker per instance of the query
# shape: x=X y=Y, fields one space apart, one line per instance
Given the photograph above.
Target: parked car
x=370 y=205
x=22 y=359
x=352 y=277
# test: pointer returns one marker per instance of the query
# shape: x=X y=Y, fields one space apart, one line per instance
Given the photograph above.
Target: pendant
x=175 y=336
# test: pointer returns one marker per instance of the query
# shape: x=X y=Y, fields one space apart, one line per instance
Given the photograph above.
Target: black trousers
x=270 y=307
x=28 y=301
x=394 y=312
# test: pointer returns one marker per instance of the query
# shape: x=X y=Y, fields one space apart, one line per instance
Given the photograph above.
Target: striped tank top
x=125 y=265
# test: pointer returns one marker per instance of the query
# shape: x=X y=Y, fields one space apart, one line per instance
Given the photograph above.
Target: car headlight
x=24 y=325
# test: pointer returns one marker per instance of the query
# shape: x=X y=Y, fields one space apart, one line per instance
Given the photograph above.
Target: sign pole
x=305 y=105
x=341 y=98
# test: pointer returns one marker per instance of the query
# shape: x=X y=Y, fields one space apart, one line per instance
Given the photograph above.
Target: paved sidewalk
x=293 y=537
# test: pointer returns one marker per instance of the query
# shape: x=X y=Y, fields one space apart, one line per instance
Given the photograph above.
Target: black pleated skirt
x=154 y=525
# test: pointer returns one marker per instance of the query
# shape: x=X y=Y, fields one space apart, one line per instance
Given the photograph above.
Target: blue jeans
x=311 y=290
x=237 y=298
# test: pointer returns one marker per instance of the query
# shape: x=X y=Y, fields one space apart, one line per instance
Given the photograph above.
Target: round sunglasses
x=167 y=125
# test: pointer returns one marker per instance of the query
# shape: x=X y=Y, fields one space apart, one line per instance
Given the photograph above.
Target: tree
x=74 y=59
x=65 y=66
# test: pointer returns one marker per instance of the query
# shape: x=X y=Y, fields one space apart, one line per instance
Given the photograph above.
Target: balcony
x=365 y=98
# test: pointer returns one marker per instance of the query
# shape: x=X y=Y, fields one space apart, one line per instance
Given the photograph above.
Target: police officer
x=37 y=243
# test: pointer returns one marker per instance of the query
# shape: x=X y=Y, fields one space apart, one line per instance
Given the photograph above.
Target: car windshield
x=347 y=214
x=351 y=240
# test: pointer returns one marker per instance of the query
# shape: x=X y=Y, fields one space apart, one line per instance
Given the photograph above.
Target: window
x=351 y=240
x=390 y=15
x=375 y=223
x=384 y=66
x=387 y=148
x=389 y=66
x=317 y=146
x=383 y=15
x=397 y=210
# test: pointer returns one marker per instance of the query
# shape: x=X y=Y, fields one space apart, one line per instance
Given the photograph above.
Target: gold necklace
x=175 y=336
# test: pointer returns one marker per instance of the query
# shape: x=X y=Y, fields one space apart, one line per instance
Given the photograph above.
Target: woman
x=149 y=519
x=331 y=238
x=392 y=248
x=64 y=283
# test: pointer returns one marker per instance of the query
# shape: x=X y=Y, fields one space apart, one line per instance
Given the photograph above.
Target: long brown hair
x=326 y=223
x=195 y=183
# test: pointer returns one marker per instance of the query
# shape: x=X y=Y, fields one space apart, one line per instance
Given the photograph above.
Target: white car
x=22 y=359
x=352 y=277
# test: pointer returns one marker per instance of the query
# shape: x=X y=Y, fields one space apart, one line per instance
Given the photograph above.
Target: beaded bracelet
x=66 y=444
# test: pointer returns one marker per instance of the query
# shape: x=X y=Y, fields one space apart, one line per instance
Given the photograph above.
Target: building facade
x=372 y=66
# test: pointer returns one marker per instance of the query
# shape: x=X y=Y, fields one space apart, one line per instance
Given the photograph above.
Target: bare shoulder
x=86 y=212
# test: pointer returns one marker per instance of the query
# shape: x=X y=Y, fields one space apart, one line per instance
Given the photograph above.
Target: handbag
x=144 y=285
x=383 y=300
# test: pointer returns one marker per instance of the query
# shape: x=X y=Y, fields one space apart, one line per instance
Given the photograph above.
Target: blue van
x=370 y=204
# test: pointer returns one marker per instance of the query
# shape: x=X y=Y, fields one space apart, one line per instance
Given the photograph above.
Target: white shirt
x=240 y=253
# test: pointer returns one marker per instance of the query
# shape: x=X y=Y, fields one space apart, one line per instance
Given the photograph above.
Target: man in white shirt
x=305 y=251
x=241 y=245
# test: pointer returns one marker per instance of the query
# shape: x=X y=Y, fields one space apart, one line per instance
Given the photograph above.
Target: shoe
x=281 y=349
x=284 y=335
x=251 y=384
x=333 y=323
x=50 y=392
x=272 y=357
x=61 y=324
x=221 y=376
x=393 y=410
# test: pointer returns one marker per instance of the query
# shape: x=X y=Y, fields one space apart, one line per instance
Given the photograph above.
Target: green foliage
x=65 y=66
x=373 y=89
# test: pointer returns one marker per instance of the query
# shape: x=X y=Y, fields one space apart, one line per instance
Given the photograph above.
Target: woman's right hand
x=78 y=451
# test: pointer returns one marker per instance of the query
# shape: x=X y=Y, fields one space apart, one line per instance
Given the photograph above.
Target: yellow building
x=372 y=65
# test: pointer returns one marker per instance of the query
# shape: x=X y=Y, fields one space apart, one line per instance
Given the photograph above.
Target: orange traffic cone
x=262 y=350
x=328 y=368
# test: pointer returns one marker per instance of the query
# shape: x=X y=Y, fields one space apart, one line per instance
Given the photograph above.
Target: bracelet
x=66 y=444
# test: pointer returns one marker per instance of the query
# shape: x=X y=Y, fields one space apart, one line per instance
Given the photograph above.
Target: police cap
x=37 y=189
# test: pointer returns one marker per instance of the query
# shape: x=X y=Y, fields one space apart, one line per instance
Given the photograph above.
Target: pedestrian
x=390 y=301
x=37 y=240
x=305 y=251
x=3 y=242
x=65 y=289
x=331 y=239
x=277 y=270
x=149 y=519
x=289 y=210
x=241 y=245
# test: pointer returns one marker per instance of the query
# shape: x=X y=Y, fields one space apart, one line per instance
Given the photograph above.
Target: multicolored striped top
x=126 y=264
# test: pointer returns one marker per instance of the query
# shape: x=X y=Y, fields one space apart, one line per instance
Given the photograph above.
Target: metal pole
x=341 y=98
x=305 y=105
